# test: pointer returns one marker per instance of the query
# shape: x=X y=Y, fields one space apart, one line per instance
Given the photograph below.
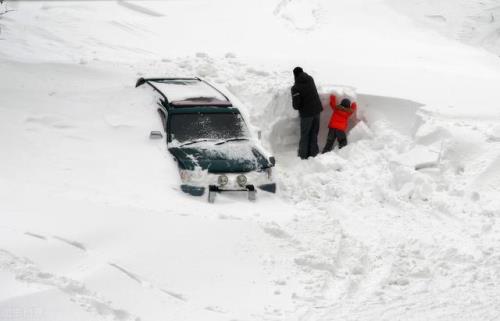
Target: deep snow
x=474 y=22
x=94 y=225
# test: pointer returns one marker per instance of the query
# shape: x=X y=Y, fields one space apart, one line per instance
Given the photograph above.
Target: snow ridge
x=28 y=272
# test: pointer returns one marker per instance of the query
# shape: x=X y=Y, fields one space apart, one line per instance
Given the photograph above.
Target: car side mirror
x=272 y=160
x=141 y=81
x=155 y=134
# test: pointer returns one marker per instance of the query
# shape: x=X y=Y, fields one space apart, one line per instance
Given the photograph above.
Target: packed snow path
x=94 y=226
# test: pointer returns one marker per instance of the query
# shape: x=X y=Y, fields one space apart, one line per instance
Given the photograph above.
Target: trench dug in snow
x=395 y=147
x=383 y=149
x=280 y=123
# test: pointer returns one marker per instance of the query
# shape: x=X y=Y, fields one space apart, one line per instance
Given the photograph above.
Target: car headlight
x=185 y=175
x=241 y=180
x=222 y=180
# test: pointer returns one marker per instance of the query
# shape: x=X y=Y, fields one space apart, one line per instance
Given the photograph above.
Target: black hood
x=240 y=158
x=302 y=78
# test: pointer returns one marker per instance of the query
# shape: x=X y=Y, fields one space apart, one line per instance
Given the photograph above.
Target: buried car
x=209 y=139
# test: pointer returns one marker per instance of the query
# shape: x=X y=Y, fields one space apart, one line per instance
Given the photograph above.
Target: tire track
x=26 y=271
x=144 y=282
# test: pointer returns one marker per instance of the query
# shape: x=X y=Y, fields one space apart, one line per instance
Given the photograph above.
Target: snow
x=400 y=224
x=300 y=14
x=176 y=91
x=473 y=22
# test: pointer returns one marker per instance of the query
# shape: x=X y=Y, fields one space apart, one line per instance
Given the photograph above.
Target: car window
x=219 y=126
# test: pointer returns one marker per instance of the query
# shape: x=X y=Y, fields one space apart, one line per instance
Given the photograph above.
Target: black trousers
x=335 y=134
x=309 y=128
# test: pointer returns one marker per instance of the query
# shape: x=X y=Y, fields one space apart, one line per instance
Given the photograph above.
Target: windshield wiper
x=231 y=140
x=197 y=141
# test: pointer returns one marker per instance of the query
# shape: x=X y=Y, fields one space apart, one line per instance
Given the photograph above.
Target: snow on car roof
x=190 y=92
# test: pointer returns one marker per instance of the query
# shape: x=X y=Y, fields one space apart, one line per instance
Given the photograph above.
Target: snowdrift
x=280 y=122
x=93 y=224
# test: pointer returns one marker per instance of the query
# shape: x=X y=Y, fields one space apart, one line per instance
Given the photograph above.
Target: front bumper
x=200 y=190
x=198 y=182
x=193 y=190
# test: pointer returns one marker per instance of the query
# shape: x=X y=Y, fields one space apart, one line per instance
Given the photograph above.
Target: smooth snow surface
x=402 y=224
x=474 y=22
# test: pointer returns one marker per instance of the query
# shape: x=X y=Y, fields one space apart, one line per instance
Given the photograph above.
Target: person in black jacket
x=305 y=99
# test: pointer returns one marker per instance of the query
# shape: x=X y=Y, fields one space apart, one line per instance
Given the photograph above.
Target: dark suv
x=209 y=140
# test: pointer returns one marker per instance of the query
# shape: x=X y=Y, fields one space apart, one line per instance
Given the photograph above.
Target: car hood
x=226 y=158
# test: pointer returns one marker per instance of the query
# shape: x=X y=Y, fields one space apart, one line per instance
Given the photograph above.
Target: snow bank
x=401 y=114
x=91 y=208
x=280 y=122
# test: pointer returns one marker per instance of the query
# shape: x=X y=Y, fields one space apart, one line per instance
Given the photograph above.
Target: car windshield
x=210 y=126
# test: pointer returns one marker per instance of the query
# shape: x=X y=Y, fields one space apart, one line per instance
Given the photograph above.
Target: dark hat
x=297 y=71
x=345 y=103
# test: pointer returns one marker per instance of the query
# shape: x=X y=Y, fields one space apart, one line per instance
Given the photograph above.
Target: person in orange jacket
x=339 y=122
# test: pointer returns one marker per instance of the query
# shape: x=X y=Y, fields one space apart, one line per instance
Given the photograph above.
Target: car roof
x=205 y=110
x=187 y=92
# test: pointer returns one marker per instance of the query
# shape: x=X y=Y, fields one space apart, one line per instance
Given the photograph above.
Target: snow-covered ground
x=474 y=22
x=93 y=225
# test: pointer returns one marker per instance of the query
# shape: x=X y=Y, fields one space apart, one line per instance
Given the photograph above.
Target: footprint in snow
x=315 y=263
x=215 y=309
x=228 y=217
x=275 y=230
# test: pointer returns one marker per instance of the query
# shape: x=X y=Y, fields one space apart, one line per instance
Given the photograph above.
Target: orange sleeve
x=333 y=101
x=354 y=106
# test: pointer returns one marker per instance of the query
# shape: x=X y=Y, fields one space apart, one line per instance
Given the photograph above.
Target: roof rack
x=186 y=92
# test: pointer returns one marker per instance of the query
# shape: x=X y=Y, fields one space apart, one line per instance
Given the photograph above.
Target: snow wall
x=279 y=122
